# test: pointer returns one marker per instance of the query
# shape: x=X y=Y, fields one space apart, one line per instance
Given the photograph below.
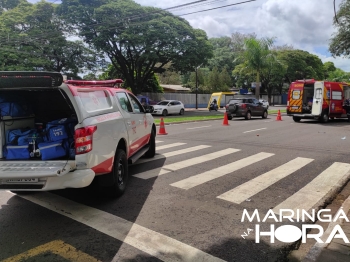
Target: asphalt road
x=177 y=207
x=203 y=111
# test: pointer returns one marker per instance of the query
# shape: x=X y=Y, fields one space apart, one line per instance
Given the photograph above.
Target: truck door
x=318 y=98
x=295 y=100
x=131 y=121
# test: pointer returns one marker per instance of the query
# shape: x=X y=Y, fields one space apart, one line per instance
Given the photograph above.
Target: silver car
x=168 y=107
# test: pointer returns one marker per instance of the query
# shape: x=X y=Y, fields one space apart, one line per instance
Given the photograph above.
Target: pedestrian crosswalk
x=306 y=198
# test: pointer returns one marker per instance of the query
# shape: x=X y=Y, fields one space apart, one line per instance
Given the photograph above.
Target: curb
x=202 y=120
x=317 y=249
x=189 y=121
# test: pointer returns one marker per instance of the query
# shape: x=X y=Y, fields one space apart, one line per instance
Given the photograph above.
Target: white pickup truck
x=57 y=134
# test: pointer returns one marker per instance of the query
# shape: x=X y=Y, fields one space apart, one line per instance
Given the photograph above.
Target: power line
x=218 y=7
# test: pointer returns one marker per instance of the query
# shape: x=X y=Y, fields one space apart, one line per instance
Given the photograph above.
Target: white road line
x=157 y=141
x=149 y=241
x=268 y=121
x=254 y=130
x=310 y=195
x=254 y=186
x=169 y=146
x=187 y=163
x=170 y=154
x=198 y=127
x=220 y=171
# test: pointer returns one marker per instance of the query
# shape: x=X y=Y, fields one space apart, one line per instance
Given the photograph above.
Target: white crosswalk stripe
x=305 y=199
x=254 y=186
x=310 y=195
x=170 y=146
x=158 y=141
x=220 y=171
x=187 y=163
x=173 y=153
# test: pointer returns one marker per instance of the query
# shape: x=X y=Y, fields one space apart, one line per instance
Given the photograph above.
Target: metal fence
x=189 y=100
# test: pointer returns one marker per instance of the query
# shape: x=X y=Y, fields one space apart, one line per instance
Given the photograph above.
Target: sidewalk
x=337 y=250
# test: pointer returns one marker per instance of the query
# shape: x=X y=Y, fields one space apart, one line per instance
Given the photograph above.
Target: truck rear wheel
x=324 y=118
x=296 y=119
x=119 y=174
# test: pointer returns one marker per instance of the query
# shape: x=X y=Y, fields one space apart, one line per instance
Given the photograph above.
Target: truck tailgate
x=30 y=169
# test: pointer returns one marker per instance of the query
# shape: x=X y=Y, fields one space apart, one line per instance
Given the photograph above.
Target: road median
x=187 y=119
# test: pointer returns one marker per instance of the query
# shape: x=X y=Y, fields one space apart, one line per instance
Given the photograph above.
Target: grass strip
x=168 y=120
x=188 y=119
x=276 y=111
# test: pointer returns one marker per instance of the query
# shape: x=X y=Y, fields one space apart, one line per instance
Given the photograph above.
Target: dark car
x=245 y=107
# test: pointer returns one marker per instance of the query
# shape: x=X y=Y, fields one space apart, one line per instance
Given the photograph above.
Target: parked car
x=245 y=107
x=168 y=107
x=265 y=103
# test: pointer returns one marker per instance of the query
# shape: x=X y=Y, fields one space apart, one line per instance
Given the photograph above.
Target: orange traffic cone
x=225 y=122
x=162 y=128
x=279 y=118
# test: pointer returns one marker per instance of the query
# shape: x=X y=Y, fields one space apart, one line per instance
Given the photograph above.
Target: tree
x=242 y=76
x=169 y=77
x=214 y=81
x=273 y=74
x=35 y=40
x=328 y=67
x=225 y=80
x=256 y=53
x=223 y=55
x=340 y=42
x=301 y=65
x=138 y=40
x=151 y=85
x=339 y=75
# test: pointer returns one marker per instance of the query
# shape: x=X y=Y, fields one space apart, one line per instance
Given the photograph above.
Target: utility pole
x=197 y=87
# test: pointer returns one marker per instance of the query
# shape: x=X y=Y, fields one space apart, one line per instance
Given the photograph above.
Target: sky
x=303 y=24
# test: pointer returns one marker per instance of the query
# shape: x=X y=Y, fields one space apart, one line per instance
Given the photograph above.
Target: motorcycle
x=213 y=106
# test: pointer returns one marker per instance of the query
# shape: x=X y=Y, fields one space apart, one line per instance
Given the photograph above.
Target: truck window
x=94 y=100
x=138 y=108
x=296 y=94
x=318 y=94
x=336 y=95
x=124 y=102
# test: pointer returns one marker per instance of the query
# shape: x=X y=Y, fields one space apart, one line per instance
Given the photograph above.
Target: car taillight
x=243 y=105
x=226 y=106
x=83 y=139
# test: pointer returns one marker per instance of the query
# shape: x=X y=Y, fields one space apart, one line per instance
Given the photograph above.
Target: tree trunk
x=257 y=87
x=269 y=94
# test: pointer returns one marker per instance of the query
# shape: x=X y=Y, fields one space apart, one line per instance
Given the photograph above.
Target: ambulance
x=57 y=133
x=319 y=100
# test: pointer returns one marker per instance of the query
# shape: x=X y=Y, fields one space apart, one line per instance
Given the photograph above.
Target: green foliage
x=225 y=80
x=151 y=85
x=138 y=40
x=90 y=76
x=301 y=65
x=340 y=43
x=255 y=54
x=223 y=53
x=35 y=40
x=339 y=75
x=328 y=67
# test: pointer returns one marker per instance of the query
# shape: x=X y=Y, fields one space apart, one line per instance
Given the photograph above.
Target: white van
x=57 y=134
